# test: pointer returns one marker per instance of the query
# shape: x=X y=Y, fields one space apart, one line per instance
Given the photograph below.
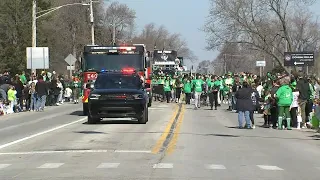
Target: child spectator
x=33 y=97
x=11 y=98
x=266 y=110
x=67 y=94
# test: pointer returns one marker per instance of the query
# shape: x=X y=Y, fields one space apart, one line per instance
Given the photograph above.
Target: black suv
x=118 y=95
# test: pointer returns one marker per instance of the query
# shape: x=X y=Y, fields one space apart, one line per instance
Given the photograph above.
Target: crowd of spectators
x=23 y=93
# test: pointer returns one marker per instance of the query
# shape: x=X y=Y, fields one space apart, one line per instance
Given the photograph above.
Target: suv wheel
x=143 y=119
x=85 y=109
x=150 y=102
x=92 y=120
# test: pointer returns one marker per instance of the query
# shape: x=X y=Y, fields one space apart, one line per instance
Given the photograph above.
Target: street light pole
x=92 y=23
x=34 y=28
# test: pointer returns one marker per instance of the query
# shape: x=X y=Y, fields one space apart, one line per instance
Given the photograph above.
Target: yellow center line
x=174 y=140
x=165 y=133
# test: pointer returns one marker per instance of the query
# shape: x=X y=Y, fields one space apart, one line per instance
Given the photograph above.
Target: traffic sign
x=70 y=59
x=260 y=63
x=298 y=58
x=71 y=68
x=37 y=57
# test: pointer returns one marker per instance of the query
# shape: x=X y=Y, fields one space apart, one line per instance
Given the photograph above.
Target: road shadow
x=316 y=136
x=222 y=135
x=89 y=132
x=236 y=127
x=77 y=113
x=114 y=122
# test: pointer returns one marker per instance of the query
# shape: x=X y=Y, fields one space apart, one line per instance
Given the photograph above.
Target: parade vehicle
x=96 y=58
x=164 y=62
x=118 y=94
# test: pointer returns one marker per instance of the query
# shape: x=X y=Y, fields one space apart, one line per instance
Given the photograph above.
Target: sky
x=178 y=16
x=181 y=16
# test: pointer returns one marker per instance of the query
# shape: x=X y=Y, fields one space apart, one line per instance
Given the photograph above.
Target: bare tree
x=119 y=19
x=160 y=37
x=269 y=26
x=204 y=67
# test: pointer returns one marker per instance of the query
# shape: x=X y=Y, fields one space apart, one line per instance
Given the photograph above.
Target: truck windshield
x=117 y=82
x=112 y=61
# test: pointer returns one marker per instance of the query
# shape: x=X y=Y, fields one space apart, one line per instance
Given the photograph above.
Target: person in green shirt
x=197 y=86
x=214 y=87
x=167 y=88
x=23 y=78
x=284 y=98
x=187 y=89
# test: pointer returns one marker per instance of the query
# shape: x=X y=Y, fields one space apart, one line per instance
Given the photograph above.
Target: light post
x=92 y=22
x=48 y=11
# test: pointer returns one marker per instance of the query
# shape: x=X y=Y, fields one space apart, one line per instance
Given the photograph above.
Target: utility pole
x=34 y=29
x=113 y=33
x=225 y=63
x=92 y=23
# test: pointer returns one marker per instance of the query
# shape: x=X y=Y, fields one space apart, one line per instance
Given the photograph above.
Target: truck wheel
x=85 y=109
x=143 y=119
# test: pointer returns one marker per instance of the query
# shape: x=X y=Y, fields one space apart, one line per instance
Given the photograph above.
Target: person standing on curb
x=244 y=104
x=284 y=99
x=42 y=92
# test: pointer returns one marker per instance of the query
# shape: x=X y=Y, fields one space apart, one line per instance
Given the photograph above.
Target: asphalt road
x=177 y=143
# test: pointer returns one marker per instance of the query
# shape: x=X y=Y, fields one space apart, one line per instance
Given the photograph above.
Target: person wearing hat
x=284 y=99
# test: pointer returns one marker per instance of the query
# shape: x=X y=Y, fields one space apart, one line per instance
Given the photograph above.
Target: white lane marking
x=54 y=152
x=163 y=166
x=2 y=166
x=269 y=168
x=162 y=106
x=108 y=165
x=50 y=165
x=33 y=122
x=155 y=108
x=132 y=151
x=40 y=133
x=215 y=166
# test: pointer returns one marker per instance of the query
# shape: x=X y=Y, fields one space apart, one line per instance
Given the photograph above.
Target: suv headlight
x=137 y=96
x=94 y=96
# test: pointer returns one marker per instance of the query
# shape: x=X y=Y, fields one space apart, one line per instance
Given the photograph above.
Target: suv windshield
x=117 y=81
